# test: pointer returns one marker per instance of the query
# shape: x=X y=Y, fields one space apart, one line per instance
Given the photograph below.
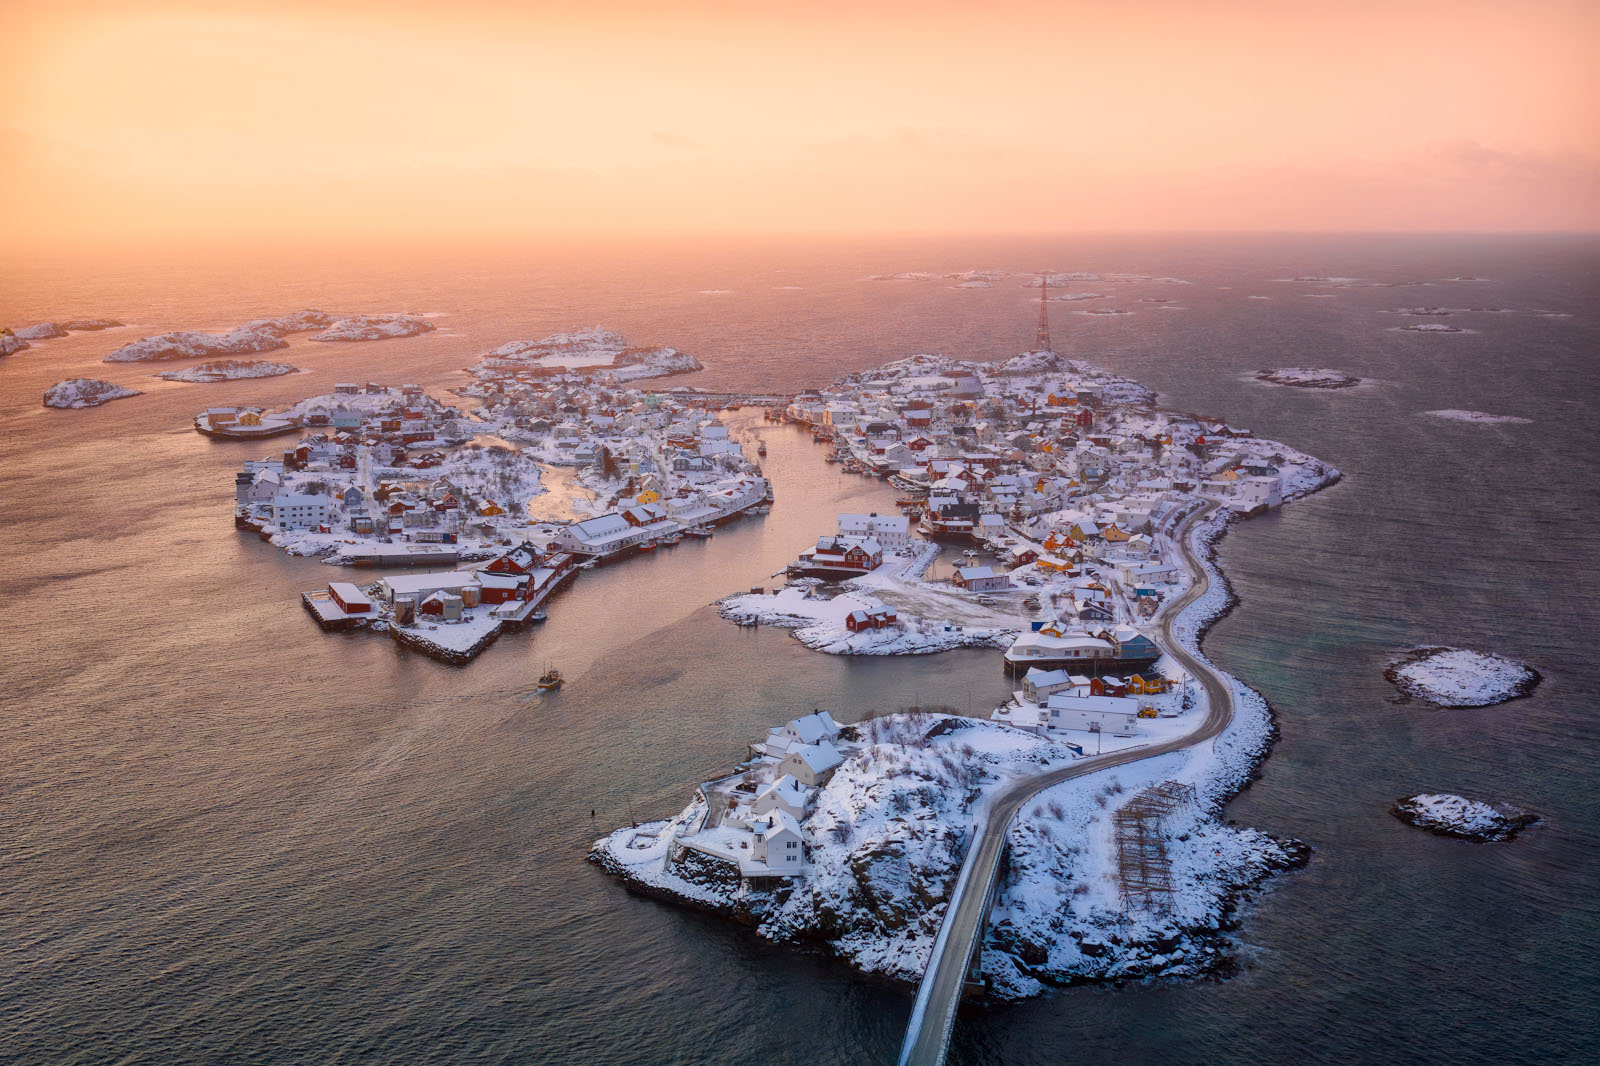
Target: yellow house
x=1113 y=535
x=649 y=496
x=250 y=418
x=488 y=509
x=1147 y=686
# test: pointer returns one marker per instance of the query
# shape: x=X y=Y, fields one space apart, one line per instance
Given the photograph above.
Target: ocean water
x=228 y=837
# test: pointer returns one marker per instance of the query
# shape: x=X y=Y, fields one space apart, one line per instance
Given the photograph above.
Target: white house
x=1093 y=714
x=776 y=841
x=890 y=530
x=785 y=794
x=811 y=764
x=300 y=510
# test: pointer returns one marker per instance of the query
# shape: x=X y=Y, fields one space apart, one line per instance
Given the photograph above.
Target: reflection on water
x=228 y=836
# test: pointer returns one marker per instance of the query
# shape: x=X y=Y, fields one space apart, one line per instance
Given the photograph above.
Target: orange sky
x=127 y=121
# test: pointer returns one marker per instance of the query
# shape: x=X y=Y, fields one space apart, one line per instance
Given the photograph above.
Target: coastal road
x=934 y=1013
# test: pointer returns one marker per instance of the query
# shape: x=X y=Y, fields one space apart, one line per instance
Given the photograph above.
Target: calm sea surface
x=226 y=837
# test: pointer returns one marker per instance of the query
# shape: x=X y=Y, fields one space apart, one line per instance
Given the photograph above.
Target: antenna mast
x=1041 y=343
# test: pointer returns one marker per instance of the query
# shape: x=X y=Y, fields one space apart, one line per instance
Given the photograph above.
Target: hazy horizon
x=176 y=121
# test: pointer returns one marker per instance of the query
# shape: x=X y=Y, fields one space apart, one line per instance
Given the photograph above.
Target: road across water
x=933 y=1015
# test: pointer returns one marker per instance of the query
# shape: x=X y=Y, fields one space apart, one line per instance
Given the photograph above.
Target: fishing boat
x=648 y=546
x=550 y=680
x=698 y=531
x=589 y=565
x=670 y=538
x=908 y=501
x=538 y=615
x=761 y=449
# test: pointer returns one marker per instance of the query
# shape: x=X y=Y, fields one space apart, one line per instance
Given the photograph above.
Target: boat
x=698 y=531
x=670 y=538
x=538 y=615
x=589 y=565
x=761 y=449
x=550 y=680
x=648 y=546
x=908 y=501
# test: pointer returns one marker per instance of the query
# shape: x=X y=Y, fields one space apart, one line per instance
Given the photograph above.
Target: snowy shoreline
x=1053 y=924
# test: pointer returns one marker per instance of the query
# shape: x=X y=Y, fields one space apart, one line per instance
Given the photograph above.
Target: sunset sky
x=140 y=120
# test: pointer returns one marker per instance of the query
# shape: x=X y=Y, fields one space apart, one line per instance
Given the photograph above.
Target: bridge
x=753 y=399
x=957 y=947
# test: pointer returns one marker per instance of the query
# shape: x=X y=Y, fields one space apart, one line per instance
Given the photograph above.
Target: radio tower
x=1041 y=343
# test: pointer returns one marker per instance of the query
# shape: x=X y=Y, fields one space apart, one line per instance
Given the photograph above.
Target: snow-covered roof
x=788 y=791
x=1065 y=701
x=819 y=757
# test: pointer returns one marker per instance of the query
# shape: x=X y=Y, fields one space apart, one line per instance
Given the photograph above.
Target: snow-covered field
x=229 y=370
x=1481 y=417
x=84 y=392
x=1456 y=677
x=1458 y=816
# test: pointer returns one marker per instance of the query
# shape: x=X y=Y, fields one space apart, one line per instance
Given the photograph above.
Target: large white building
x=889 y=530
x=1092 y=714
x=300 y=510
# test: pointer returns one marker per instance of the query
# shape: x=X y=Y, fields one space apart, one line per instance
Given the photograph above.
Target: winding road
x=933 y=1015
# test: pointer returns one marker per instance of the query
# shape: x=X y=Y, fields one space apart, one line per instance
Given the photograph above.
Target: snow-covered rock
x=42 y=331
x=1456 y=677
x=190 y=345
x=84 y=392
x=1432 y=327
x=1301 y=377
x=1481 y=417
x=11 y=344
x=595 y=350
x=229 y=370
x=374 y=327
x=91 y=325
x=1458 y=816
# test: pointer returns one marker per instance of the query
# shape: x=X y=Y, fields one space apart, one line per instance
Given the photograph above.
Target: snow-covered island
x=1431 y=327
x=1451 y=414
x=267 y=334
x=259 y=335
x=1458 y=816
x=1077 y=489
x=85 y=392
x=10 y=343
x=391 y=476
x=1301 y=377
x=1457 y=678
x=374 y=328
x=593 y=352
x=42 y=331
x=851 y=837
x=229 y=370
